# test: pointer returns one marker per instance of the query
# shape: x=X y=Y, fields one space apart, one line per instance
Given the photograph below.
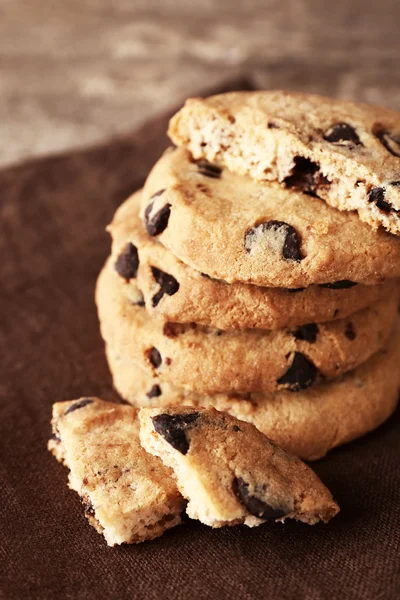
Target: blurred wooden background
x=75 y=72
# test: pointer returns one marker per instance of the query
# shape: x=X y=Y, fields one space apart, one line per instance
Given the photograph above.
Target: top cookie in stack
x=345 y=153
x=237 y=233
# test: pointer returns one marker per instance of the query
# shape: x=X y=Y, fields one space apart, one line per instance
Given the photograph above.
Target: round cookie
x=176 y=292
x=345 y=153
x=308 y=423
x=216 y=462
x=210 y=360
x=237 y=229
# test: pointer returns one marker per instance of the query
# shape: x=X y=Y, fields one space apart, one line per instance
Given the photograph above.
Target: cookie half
x=345 y=153
x=308 y=423
x=210 y=360
x=237 y=229
x=129 y=495
x=175 y=292
x=230 y=472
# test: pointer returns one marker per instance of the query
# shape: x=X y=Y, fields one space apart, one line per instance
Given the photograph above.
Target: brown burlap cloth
x=53 y=244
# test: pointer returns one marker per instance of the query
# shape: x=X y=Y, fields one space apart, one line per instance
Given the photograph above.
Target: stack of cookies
x=256 y=272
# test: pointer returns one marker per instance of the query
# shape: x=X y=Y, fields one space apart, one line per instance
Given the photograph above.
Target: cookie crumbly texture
x=230 y=472
x=129 y=496
x=211 y=361
x=308 y=423
x=348 y=154
x=237 y=229
x=175 y=292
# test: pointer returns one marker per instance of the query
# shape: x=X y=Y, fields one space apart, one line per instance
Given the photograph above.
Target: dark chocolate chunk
x=342 y=134
x=139 y=303
x=391 y=141
x=308 y=332
x=350 y=332
x=291 y=244
x=154 y=392
x=159 y=221
x=254 y=505
x=377 y=195
x=157 y=194
x=89 y=510
x=300 y=375
x=208 y=169
x=154 y=357
x=236 y=428
x=168 y=285
x=395 y=183
x=127 y=262
x=80 y=404
x=172 y=330
x=342 y=284
x=173 y=428
x=88 y=506
x=305 y=176
x=272 y=125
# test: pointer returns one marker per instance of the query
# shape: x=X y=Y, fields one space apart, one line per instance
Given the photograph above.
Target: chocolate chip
x=305 y=176
x=235 y=428
x=342 y=134
x=173 y=428
x=300 y=375
x=88 y=506
x=377 y=196
x=342 y=284
x=154 y=357
x=80 y=404
x=291 y=244
x=308 y=332
x=208 y=169
x=172 y=330
x=154 y=392
x=391 y=141
x=350 y=331
x=295 y=290
x=127 y=262
x=395 y=183
x=157 y=194
x=272 y=125
x=168 y=285
x=159 y=221
x=89 y=510
x=254 y=505
x=139 y=303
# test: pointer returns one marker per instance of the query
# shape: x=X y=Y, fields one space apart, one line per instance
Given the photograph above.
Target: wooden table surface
x=73 y=73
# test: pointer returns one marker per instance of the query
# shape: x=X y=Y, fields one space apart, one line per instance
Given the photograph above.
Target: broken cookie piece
x=129 y=495
x=230 y=472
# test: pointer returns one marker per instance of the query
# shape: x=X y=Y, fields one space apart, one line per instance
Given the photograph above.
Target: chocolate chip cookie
x=129 y=496
x=210 y=360
x=230 y=472
x=175 y=292
x=308 y=423
x=345 y=153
